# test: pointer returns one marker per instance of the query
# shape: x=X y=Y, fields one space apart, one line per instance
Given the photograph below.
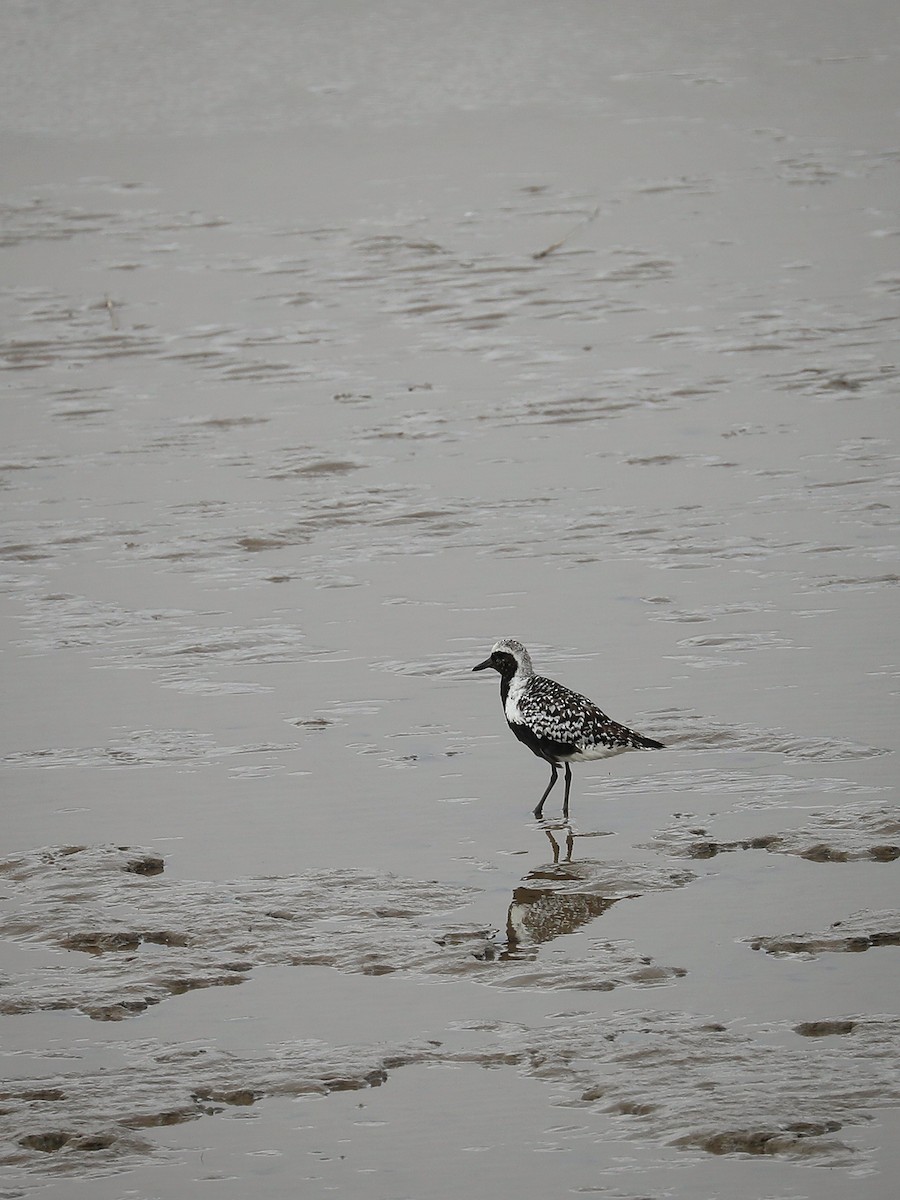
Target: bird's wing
x=554 y=711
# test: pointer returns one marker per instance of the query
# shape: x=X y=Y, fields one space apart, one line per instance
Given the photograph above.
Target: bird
x=558 y=725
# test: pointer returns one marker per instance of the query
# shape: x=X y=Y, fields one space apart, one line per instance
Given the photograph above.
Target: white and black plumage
x=556 y=724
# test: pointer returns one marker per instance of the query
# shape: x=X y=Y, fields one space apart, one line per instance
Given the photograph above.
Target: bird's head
x=507 y=657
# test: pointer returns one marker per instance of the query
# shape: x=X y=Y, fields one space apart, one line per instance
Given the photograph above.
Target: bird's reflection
x=557 y=898
x=570 y=843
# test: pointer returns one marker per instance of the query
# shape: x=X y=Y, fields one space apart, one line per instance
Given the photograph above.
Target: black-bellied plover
x=555 y=723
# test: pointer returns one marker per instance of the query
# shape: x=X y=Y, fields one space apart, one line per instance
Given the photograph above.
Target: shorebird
x=556 y=724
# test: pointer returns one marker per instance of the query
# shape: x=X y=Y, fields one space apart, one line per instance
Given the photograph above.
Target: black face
x=501 y=662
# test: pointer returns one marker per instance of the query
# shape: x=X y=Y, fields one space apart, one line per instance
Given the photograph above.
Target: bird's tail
x=645 y=743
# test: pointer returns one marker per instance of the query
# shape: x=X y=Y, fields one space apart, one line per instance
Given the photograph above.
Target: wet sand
x=338 y=346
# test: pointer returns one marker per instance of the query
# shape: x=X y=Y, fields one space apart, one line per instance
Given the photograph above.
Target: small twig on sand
x=562 y=241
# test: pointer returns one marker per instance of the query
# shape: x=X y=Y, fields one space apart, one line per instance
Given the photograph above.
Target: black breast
x=543 y=747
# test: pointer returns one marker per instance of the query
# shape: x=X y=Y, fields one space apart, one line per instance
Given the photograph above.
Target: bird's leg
x=566 y=797
x=540 y=805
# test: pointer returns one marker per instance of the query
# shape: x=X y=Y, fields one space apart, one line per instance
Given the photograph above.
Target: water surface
x=337 y=346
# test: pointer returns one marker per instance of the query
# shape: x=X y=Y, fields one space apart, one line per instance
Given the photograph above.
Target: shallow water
x=338 y=345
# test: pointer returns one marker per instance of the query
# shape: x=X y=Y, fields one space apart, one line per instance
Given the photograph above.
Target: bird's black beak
x=483 y=665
